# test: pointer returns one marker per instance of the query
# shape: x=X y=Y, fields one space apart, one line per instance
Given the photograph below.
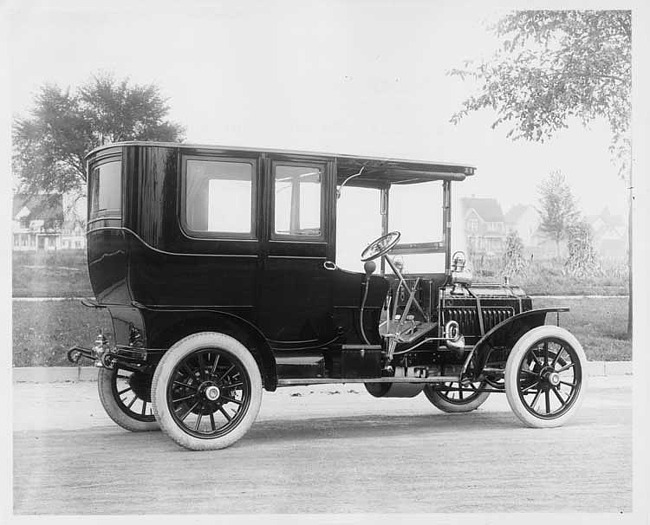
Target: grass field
x=599 y=324
x=50 y=274
x=44 y=331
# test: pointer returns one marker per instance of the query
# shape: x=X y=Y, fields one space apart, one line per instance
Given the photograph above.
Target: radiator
x=467 y=318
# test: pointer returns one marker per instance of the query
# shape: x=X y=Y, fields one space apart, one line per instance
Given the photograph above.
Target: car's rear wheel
x=456 y=397
x=206 y=391
x=545 y=377
x=126 y=397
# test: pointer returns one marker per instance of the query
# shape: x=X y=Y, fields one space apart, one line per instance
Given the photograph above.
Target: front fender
x=506 y=334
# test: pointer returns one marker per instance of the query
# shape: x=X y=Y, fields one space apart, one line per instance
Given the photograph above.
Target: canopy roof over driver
x=377 y=172
x=370 y=172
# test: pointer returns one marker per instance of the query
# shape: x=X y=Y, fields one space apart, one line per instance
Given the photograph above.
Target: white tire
x=206 y=391
x=545 y=377
x=454 y=401
x=126 y=398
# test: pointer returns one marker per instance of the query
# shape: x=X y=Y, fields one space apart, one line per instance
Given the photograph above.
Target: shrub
x=514 y=262
x=582 y=261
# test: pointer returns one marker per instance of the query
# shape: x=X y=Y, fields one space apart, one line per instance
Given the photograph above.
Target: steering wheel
x=381 y=246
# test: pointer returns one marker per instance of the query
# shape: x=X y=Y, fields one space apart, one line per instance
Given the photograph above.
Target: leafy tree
x=582 y=261
x=558 y=211
x=50 y=145
x=554 y=67
x=514 y=262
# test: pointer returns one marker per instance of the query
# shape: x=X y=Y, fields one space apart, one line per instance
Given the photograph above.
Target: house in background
x=37 y=221
x=73 y=235
x=73 y=230
x=48 y=222
x=610 y=234
x=485 y=228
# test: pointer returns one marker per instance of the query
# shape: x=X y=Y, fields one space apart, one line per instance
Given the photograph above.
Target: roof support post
x=446 y=224
x=383 y=210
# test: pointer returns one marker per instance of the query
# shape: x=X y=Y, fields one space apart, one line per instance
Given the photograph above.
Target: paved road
x=323 y=450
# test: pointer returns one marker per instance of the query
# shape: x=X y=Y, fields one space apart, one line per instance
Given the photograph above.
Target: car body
x=218 y=266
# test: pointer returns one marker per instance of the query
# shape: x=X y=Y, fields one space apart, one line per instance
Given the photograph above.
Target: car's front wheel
x=206 y=391
x=545 y=376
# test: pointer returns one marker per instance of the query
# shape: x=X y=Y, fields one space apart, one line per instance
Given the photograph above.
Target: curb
x=71 y=374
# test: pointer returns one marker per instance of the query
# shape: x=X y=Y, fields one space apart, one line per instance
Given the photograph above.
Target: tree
x=558 y=210
x=582 y=260
x=50 y=145
x=514 y=262
x=554 y=67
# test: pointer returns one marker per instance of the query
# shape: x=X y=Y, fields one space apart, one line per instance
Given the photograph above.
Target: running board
x=340 y=380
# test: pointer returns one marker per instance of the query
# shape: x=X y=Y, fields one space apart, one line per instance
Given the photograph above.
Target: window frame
x=223 y=235
x=322 y=167
x=442 y=239
x=108 y=213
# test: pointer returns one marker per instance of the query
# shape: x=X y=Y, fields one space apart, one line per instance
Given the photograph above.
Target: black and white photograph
x=325 y=261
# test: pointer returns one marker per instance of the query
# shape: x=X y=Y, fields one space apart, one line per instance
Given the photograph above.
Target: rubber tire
x=105 y=388
x=512 y=368
x=454 y=408
x=162 y=376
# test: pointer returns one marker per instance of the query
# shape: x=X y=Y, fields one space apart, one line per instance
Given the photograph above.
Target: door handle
x=329 y=265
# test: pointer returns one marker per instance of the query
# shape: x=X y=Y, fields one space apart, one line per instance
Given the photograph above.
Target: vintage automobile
x=218 y=266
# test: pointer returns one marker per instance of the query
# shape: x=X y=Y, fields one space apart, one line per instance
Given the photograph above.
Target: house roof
x=41 y=207
x=609 y=220
x=488 y=208
x=514 y=214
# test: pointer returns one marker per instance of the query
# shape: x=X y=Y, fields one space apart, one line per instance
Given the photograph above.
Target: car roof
x=357 y=170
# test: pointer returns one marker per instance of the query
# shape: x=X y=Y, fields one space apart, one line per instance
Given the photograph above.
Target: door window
x=298 y=201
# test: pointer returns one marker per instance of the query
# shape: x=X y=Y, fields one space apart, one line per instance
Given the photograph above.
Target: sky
x=367 y=78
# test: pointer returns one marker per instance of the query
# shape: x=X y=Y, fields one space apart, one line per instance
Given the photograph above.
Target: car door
x=295 y=296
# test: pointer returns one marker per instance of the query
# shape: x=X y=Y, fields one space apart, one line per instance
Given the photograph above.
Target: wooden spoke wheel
x=456 y=397
x=207 y=391
x=126 y=397
x=545 y=377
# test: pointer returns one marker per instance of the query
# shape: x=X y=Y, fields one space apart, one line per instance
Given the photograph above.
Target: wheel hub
x=212 y=392
x=554 y=378
x=551 y=377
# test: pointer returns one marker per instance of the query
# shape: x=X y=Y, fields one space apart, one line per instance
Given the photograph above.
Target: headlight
x=458 y=262
x=459 y=273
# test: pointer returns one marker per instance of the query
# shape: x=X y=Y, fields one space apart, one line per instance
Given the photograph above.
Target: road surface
x=331 y=449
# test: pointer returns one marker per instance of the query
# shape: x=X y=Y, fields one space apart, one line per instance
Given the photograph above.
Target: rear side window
x=106 y=190
x=218 y=197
